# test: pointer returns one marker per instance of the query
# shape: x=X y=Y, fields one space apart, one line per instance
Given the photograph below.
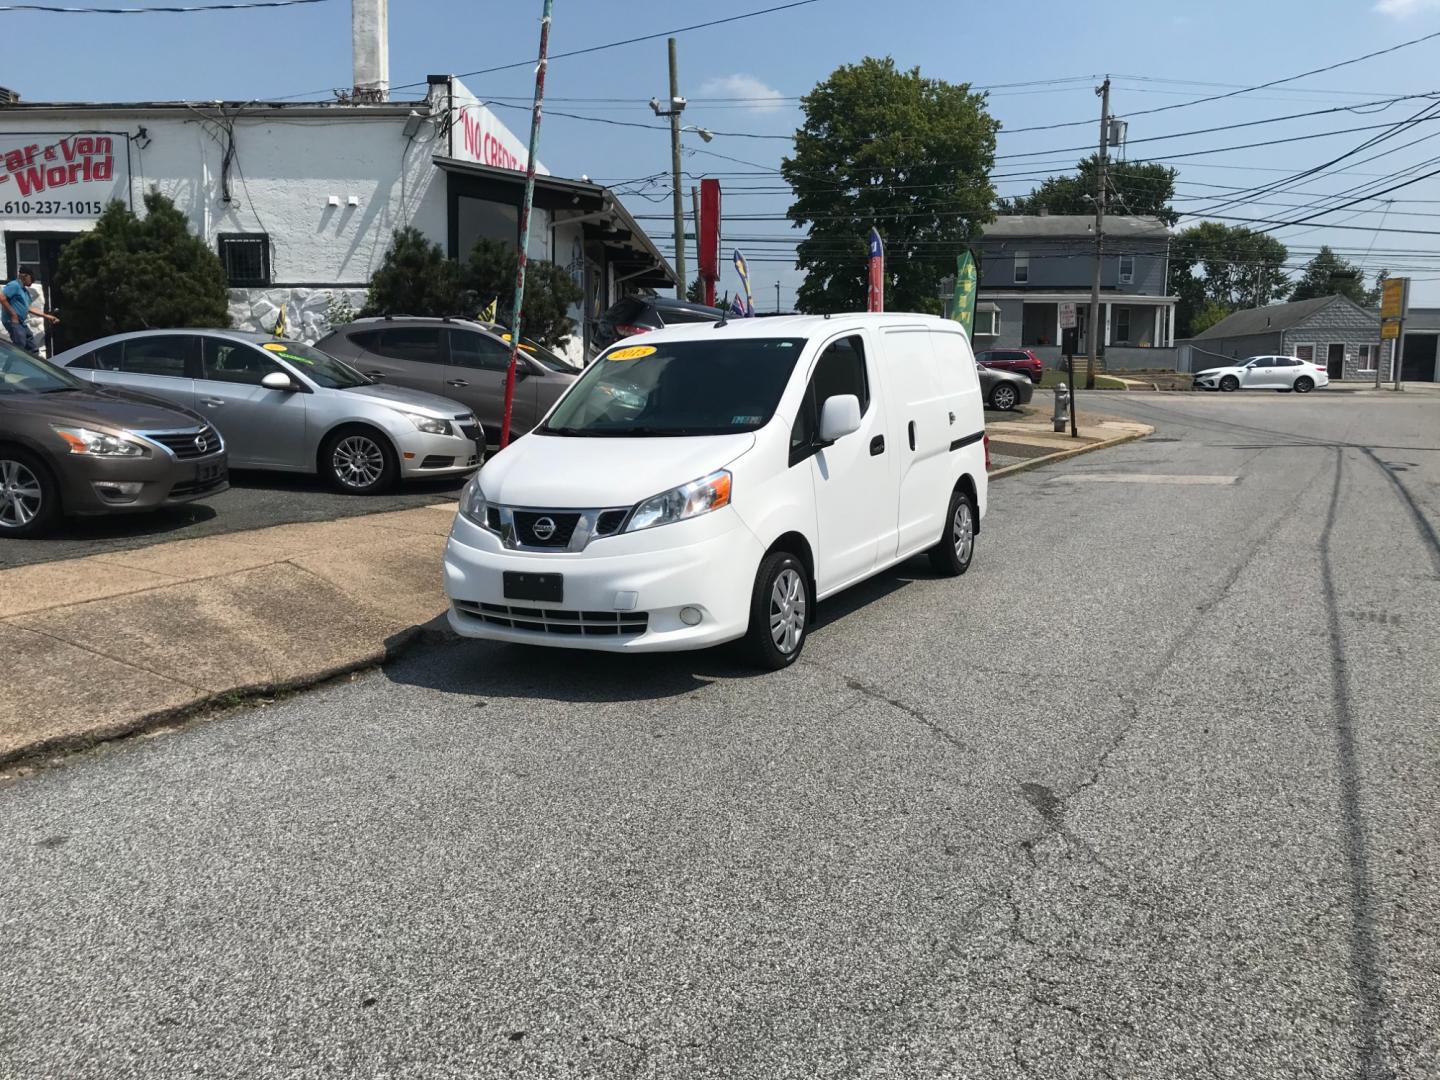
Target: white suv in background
x=1283 y=373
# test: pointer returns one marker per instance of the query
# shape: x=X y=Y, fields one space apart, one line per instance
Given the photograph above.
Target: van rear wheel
x=779 y=612
x=951 y=556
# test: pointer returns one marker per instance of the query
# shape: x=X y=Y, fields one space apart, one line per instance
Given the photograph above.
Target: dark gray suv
x=69 y=446
x=456 y=358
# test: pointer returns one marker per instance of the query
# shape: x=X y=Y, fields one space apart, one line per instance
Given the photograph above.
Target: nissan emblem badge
x=543 y=528
x=200 y=443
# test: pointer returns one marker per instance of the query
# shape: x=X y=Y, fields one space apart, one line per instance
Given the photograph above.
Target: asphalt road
x=1150 y=792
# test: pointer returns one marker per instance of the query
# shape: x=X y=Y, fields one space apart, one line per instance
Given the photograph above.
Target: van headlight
x=429 y=424
x=686 y=501
x=472 y=502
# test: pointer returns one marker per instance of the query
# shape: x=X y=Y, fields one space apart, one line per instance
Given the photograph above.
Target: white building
x=300 y=200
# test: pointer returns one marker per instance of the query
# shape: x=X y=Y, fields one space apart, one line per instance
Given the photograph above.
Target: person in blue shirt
x=15 y=303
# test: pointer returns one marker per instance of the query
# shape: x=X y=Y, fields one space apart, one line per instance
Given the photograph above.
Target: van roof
x=798 y=325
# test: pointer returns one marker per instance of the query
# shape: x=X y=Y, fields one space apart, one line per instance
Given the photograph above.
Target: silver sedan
x=288 y=406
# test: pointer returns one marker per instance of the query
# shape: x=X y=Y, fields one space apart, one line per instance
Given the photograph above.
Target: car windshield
x=678 y=388
x=21 y=373
x=319 y=367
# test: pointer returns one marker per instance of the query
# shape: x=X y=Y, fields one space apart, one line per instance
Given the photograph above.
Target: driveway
x=1147 y=793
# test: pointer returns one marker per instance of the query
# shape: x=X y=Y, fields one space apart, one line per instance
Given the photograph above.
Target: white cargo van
x=712 y=481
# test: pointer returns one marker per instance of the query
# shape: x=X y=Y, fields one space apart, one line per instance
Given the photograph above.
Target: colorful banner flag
x=964 y=312
x=488 y=314
x=279 y=330
x=744 y=271
x=737 y=306
x=877 y=273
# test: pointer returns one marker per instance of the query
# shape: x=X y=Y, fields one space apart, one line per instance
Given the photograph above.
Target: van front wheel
x=951 y=556
x=779 y=612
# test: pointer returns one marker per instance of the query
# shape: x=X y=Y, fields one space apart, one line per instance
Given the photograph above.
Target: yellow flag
x=488 y=315
x=279 y=330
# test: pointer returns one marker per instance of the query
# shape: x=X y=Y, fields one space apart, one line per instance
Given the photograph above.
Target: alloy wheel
x=20 y=495
x=787 y=611
x=1003 y=398
x=358 y=461
x=962 y=531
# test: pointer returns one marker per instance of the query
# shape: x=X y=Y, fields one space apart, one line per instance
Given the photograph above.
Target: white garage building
x=300 y=200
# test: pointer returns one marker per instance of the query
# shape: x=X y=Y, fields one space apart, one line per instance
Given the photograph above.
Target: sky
x=1040 y=59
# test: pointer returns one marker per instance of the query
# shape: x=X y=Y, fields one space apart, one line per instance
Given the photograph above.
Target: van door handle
x=877 y=445
x=216 y=402
x=456 y=382
x=912 y=434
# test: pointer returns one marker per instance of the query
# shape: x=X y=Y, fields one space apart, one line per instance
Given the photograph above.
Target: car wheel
x=1003 y=397
x=359 y=461
x=779 y=612
x=29 y=497
x=951 y=556
x=1304 y=384
x=1229 y=383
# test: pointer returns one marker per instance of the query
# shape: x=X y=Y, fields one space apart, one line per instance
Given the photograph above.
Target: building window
x=246 y=258
x=1127 y=269
x=1022 y=267
x=987 y=323
x=1122 y=326
x=1306 y=353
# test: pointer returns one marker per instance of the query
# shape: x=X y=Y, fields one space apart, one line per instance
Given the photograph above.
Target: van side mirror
x=277 y=380
x=839 y=417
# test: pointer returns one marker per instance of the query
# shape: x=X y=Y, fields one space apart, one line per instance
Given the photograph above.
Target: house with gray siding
x=1031 y=264
x=1329 y=330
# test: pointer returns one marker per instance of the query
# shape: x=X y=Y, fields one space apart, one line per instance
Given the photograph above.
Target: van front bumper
x=621 y=594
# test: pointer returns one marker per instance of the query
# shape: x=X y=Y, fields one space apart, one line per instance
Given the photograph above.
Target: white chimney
x=370 y=30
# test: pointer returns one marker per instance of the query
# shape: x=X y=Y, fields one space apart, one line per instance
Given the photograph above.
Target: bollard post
x=1062 y=407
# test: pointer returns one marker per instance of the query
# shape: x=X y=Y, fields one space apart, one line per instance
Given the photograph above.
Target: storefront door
x=41 y=252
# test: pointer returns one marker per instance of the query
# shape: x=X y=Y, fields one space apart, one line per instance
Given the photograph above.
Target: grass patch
x=1053 y=378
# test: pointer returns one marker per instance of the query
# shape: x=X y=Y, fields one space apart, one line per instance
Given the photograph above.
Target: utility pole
x=1094 y=331
x=677 y=104
x=525 y=207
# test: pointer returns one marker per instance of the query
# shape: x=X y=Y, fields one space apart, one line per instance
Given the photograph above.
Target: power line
x=54 y=10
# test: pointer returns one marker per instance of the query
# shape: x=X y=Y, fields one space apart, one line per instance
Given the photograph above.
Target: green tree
x=1327 y=274
x=134 y=273
x=1209 y=314
x=1375 y=294
x=907 y=155
x=696 y=292
x=1229 y=265
x=414 y=278
x=1137 y=189
x=549 y=292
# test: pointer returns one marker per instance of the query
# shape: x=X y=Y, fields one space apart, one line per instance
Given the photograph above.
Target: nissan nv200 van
x=709 y=483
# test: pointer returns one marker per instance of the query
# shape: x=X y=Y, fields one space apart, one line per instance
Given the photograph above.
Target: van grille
x=557 y=621
x=561 y=527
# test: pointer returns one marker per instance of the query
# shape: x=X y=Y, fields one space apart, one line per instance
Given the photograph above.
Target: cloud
x=1403 y=9
x=765 y=99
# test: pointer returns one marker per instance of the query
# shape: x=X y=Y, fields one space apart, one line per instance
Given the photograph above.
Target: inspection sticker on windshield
x=746 y=419
x=634 y=352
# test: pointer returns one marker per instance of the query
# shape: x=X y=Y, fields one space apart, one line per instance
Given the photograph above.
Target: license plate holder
x=547 y=588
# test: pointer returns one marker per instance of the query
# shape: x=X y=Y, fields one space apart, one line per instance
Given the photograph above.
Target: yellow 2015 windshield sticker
x=274 y=346
x=634 y=352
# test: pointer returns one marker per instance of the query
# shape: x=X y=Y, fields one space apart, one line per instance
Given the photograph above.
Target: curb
x=395 y=646
x=1061 y=455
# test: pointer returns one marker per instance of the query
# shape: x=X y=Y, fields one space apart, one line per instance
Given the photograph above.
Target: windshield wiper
x=61 y=390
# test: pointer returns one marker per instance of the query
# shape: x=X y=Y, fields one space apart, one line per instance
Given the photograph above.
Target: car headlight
x=686 y=501
x=84 y=441
x=429 y=424
x=473 y=504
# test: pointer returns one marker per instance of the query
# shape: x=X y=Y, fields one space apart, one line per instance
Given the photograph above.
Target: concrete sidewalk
x=107 y=645
x=1031 y=437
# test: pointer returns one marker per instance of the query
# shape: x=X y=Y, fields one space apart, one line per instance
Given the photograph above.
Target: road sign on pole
x=1394 y=306
x=1067 y=316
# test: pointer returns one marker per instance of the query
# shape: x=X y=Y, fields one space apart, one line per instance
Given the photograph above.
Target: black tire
x=779 y=571
x=951 y=556
x=359 y=461
x=1304 y=384
x=1229 y=384
x=29 y=495
x=1004 y=397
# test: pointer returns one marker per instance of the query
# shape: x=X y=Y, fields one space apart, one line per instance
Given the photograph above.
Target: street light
x=707 y=136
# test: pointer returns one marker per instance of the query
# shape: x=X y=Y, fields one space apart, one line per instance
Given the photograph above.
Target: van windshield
x=678 y=388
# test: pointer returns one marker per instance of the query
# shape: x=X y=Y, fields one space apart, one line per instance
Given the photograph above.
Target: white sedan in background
x=1283 y=373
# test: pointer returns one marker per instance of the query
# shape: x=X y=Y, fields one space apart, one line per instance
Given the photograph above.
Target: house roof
x=1272 y=319
x=1059 y=226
